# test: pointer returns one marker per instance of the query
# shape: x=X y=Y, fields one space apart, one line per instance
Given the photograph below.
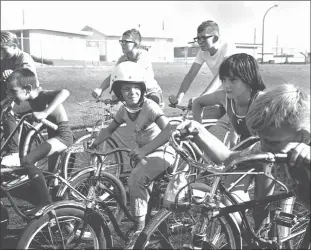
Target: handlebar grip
x=185 y=132
x=49 y=124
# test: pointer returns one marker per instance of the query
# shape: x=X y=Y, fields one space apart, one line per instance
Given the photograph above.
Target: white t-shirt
x=213 y=62
x=143 y=59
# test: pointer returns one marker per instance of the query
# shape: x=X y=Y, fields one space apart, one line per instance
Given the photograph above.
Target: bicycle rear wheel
x=74 y=160
x=44 y=232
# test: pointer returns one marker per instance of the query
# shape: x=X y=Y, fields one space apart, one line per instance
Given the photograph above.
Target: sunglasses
x=123 y=42
x=201 y=38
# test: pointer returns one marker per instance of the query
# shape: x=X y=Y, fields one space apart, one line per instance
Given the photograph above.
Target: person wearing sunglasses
x=212 y=52
x=130 y=43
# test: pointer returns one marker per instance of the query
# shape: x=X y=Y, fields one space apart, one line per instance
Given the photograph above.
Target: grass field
x=80 y=81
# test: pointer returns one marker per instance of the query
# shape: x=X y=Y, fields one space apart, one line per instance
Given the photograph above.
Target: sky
x=239 y=21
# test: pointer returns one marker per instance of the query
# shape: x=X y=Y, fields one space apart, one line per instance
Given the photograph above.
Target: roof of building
x=145 y=33
x=79 y=32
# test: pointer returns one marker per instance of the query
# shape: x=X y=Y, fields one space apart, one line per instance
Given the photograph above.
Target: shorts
x=63 y=133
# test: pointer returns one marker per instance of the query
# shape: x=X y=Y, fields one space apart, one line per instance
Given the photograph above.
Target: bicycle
x=211 y=225
x=30 y=136
x=95 y=116
x=69 y=212
x=91 y=184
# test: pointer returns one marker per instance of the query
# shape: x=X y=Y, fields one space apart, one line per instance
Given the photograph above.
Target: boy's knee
x=27 y=162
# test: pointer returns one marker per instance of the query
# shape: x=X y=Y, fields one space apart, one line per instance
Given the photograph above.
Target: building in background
x=54 y=44
x=187 y=54
x=159 y=45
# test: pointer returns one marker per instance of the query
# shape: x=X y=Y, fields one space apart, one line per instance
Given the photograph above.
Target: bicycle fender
x=59 y=204
x=63 y=188
x=94 y=215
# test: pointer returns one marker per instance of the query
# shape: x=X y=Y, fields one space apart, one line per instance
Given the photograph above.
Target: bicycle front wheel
x=44 y=233
x=106 y=181
x=73 y=161
x=173 y=230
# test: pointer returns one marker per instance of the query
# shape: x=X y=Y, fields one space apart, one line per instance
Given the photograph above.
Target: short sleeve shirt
x=20 y=60
x=144 y=127
x=143 y=59
x=213 y=62
x=44 y=98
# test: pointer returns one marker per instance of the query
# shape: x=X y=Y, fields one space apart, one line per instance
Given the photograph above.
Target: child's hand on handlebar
x=299 y=155
x=89 y=145
x=38 y=116
x=97 y=93
x=188 y=128
x=137 y=155
x=173 y=101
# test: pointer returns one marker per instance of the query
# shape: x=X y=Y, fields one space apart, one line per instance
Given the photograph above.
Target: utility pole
x=22 y=31
x=255 y=36
x=277 y=45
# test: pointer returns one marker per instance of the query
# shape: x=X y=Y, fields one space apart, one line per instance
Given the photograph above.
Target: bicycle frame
x=21 y=123
x=211 y=201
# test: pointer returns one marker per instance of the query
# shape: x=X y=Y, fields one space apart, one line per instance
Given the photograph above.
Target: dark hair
x=8 y=38
x=245 y=67
x=116 y=88
x=22 y=77
x=134 y=34
x=213 y=27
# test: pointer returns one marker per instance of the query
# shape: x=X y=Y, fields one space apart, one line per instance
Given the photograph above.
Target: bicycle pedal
x=286 y=219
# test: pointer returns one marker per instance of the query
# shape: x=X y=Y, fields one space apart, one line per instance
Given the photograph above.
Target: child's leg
x=9 y=123
x=35 y=174
x=139 y=180
x=263 y=187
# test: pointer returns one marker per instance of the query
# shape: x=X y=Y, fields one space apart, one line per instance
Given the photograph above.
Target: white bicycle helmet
x=127 y=72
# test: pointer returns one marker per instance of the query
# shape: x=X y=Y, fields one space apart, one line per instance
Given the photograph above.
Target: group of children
x=280 y=116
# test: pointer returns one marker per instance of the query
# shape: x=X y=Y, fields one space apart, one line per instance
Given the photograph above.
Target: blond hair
x=282 y=105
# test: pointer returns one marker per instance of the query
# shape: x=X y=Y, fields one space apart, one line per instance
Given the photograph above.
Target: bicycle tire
x=159 y=224
x=113 y=182
x=36 y=227
x=73 y=162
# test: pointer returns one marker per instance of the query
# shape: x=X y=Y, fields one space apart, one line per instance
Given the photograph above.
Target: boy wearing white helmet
x=151 y=129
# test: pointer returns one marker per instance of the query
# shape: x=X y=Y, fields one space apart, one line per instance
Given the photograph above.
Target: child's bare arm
x=211 y=145
x=105 y=133
x=161 y=138
x=59 y=97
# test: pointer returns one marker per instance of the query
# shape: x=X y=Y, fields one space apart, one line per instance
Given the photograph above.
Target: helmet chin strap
x=134 y=110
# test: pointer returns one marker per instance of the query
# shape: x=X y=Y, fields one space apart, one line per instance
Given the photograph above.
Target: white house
x=159 y=45
x=53 y=44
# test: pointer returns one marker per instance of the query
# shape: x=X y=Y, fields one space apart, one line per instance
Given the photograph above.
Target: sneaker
x=11 y=160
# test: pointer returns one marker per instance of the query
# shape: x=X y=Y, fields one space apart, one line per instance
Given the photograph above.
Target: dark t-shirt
x=44 y=98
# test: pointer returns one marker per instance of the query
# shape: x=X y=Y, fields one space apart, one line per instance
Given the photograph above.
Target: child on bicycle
x=241 y=81
x=130 y=42
x=281 y=119
x=11 y=58
x=46 y=104
x=151 y=129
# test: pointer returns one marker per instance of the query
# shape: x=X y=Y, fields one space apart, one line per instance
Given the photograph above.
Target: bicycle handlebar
x=264 y=157
x=49 y=124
